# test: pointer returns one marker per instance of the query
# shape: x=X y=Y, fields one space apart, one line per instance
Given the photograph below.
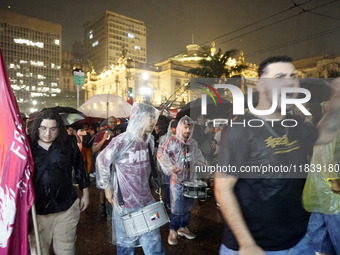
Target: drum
x=195 y=189
x=146 y=219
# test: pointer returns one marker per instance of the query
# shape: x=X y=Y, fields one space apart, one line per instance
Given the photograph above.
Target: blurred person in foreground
x=57 y=204
x=102 y=139
x=263 y=211
x=321 y=197
x=129 y=155
x=178 y=156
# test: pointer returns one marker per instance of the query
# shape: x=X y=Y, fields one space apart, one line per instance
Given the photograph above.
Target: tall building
x=111 y=37
x=31 y=49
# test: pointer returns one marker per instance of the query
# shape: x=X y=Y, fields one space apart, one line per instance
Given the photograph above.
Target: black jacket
x=53 y=181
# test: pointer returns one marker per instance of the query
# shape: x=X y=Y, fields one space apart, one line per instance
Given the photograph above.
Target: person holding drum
x=178 y=155
x=126 y=185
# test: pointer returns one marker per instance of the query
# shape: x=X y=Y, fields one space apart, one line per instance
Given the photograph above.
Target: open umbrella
x=69 y=115
x=319 y=88
x=193 y=109
x=105 y=105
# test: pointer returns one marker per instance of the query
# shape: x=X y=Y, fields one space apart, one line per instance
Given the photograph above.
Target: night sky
x=259 y=28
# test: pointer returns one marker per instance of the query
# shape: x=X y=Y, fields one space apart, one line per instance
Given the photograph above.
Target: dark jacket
x=53 y=181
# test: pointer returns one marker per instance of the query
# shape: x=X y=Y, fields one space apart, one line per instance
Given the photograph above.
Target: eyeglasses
x=44 y=129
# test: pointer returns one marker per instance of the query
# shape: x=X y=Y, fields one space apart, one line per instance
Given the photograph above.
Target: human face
x=277 y=75
x=173 y=129
x=201 y=120
x=48 y=131
x=112 y=124
x=150 y=125
x=70 y=131
x=186 y=131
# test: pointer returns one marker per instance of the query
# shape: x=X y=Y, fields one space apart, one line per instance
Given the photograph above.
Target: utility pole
x=78 y=80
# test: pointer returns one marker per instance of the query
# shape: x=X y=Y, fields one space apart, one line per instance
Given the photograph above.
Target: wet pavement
x=94 y=234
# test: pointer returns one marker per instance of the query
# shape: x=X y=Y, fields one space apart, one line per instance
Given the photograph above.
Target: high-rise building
x=31 y=49
x=112 y=36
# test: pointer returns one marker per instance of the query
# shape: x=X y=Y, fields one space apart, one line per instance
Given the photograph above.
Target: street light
x=146 y=90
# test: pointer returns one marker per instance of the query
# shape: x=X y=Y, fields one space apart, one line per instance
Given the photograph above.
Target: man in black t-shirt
x=260 y=185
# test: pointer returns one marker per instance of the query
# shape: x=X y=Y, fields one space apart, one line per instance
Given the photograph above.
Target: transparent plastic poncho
x=183 y=154
x=161 y=142
x=126 y=160
x=324 y=166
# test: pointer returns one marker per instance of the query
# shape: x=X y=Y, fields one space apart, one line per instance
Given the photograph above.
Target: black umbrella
x=319 y=89
x=69 y=115
x=214 y=108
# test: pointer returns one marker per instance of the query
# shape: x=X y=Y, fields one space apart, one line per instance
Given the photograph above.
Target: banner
x=16 y=172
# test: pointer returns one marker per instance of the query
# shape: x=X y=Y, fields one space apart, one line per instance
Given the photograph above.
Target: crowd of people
x=272 y=213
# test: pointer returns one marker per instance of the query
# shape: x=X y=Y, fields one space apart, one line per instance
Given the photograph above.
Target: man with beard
x=178 y=156
x=101 y=140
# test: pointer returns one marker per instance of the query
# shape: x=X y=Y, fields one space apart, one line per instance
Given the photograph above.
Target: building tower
x=31 y=49
x=113 y=36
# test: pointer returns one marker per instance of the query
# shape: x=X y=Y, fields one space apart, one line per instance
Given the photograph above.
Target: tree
x=216 y=65
x=333 y=73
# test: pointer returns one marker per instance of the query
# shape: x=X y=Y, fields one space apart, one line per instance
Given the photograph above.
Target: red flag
x=16 y=171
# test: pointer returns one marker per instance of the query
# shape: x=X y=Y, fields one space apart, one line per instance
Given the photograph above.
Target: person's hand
x=251 y=250
x=85 y=200
x=336 y=186
x=176 y=170
x=109 y=195
x=106 y=135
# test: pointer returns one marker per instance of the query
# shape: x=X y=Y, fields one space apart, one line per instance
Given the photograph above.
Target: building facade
x=323 y=66
x=112 y=36
x=163 y=83
x=31 y=49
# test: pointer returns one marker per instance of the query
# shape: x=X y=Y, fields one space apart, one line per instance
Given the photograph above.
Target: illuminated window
x=130 y=35
x=29 y=43
x=57 y=42
x=36 y=63
x=95 y=44
x=137 y=47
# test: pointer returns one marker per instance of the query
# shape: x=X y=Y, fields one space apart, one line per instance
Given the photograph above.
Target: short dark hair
x=49 y=115
x=272 y=60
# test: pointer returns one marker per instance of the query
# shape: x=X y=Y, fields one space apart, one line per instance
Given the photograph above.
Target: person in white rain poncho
x=178 y=155
x=165 y=173
x=129 y=155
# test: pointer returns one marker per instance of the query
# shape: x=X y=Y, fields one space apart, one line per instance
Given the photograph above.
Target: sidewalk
x=94 y=234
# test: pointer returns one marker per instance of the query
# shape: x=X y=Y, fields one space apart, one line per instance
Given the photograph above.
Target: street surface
x=94 y=234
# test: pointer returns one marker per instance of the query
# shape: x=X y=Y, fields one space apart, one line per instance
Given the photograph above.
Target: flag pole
x=36 y=230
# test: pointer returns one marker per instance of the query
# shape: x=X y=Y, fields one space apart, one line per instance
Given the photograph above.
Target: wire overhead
x=295 y=6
